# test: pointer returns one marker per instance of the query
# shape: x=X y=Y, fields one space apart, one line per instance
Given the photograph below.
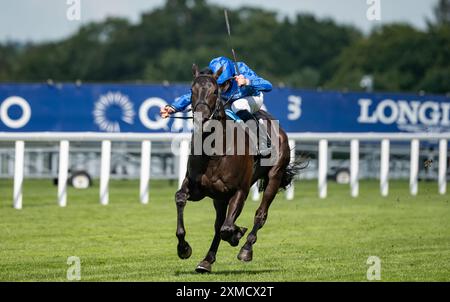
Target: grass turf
x=304 y=240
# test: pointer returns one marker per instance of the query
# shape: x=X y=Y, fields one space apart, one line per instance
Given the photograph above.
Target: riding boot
x=245 y=115
x=264 y=146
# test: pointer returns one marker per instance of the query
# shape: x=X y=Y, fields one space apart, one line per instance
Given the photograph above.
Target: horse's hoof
x=203 y=267
x=238 y=234
x=226 y=232
x=233 y=241
x=232 y=235
x=241 y=233
x=245 y=255
x=184 y=251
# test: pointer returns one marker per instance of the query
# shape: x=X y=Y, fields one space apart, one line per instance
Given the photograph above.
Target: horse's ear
x=195 y=71
x=218 y=73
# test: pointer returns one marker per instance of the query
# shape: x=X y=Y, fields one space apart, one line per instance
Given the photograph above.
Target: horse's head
x=205 y=93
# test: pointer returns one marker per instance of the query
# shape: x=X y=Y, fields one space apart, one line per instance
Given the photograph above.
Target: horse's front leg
x=181 y=196
x=229 y=231
x=221 y=212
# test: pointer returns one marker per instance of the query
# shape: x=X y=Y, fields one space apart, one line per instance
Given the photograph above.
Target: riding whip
x=231 y=44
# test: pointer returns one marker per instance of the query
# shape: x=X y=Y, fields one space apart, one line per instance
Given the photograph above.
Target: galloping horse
x=227 y=179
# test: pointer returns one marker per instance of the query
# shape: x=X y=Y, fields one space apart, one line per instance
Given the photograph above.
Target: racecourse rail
x=64 y=138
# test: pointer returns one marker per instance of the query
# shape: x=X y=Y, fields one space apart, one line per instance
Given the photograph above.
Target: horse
x=227 y=179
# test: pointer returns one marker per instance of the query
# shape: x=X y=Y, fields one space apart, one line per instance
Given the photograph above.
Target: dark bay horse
x=227 y=179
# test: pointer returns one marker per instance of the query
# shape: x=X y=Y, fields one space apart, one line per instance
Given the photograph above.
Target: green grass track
x=307 y=239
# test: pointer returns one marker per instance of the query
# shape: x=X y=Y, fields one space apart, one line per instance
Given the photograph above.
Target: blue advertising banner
x=135 y=108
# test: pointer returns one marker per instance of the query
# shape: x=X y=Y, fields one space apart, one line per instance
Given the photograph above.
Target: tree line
x=303 y=52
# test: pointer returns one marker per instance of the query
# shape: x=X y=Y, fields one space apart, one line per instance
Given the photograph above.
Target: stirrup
x=264 y=152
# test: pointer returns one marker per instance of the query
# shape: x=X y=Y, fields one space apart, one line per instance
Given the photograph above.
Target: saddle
x=257 y=116
x=232 y=116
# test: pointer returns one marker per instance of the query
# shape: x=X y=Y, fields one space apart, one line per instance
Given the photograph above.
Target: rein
x=218 y=101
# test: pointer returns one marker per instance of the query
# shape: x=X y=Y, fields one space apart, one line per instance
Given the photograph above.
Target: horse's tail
x=289 y=173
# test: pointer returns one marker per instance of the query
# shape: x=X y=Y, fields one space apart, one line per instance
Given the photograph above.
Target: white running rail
x=146 y=139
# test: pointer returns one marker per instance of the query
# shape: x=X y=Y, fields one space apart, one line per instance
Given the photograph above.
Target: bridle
x=218 y=99
x=217 y=92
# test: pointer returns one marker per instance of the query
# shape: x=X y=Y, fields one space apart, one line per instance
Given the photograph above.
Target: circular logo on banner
x=111 y=109
x=22 y=120
x=149 y=103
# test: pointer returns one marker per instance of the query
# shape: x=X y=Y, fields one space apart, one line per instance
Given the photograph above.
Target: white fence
x=295 y=138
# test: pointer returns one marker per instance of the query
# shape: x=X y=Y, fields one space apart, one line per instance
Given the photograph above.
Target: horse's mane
x=206 y=71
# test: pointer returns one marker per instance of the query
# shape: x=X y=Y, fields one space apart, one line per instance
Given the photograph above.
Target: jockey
x=244 y=92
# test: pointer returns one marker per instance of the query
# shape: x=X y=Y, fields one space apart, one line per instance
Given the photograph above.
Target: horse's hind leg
x=221 y=211
x=246 y=253
x=183 y=248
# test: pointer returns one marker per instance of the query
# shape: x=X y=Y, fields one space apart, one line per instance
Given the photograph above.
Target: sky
x=46 y=20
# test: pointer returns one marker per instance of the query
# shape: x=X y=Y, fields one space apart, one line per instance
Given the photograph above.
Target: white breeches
x=250 y=103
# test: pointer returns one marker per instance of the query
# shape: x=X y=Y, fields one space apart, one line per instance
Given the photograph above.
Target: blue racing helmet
x=228 y=68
